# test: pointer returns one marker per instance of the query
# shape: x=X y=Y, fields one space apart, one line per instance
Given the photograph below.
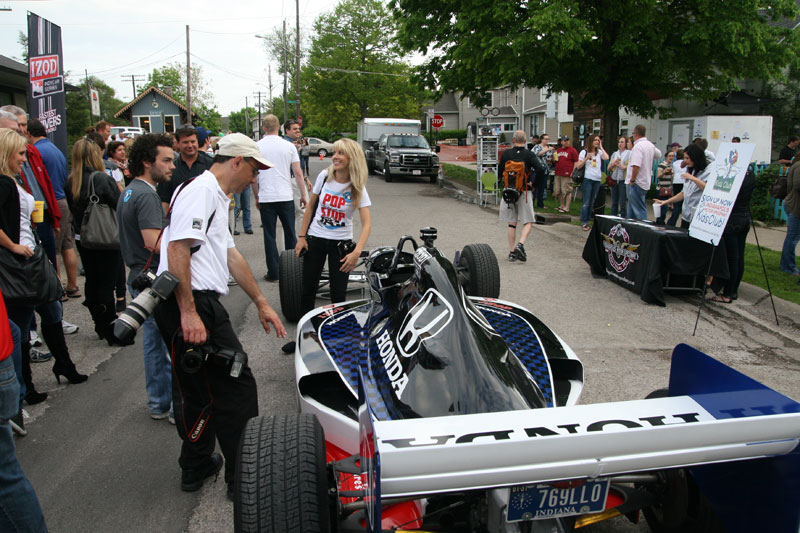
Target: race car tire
x=281 y=479
x=682 y=507
x=482 y=273
x=387 y=174
x=290 y=285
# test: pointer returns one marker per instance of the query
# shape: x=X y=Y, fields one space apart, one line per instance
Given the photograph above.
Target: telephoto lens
x=131 y=319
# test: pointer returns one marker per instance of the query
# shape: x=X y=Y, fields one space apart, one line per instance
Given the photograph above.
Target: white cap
x=239 y=144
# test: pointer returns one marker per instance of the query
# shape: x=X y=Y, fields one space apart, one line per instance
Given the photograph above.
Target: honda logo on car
x=561 y=429
x=394 y=370
x=423 y=321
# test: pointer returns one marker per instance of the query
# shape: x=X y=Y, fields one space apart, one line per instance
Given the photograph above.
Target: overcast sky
x=113 y=38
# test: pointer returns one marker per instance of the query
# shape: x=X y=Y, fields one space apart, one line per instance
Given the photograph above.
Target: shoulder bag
x=28 y=281
x=99 y=226
x=577 y=174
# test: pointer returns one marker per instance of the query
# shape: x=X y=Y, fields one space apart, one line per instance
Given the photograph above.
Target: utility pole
x=246 y=119
x=297 y=59
x=134 y=78
x=258 y=94
x=188 y=79
x=285 y=72
x=269 y=80
x=89 y=96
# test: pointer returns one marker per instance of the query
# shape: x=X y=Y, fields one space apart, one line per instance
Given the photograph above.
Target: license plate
x=416 y=172
x=535 y=502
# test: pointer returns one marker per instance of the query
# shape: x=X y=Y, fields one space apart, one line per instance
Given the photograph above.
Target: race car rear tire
x=281 y=480
x=682 y=507
x=482 y=273
x=290 y=285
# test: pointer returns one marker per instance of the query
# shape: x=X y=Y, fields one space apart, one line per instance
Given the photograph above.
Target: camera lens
x=192 y=360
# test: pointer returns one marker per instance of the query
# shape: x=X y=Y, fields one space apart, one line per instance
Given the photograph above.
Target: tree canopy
x=171 y=78
x=77 y=103
x=238 y=122
x=355 y=68
x=611 y=54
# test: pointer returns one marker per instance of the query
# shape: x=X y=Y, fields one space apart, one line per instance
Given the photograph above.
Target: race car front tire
x=281 y=479
x=290 y=285
x=482 y=273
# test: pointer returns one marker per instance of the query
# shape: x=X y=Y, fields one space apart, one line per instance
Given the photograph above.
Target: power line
x=226 y=69
x=358 y=71
x=138 y=60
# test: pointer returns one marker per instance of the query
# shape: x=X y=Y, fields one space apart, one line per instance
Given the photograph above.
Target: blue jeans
x=157 y=366
x=788 y=259
x=589 y=190
x=270 y=213
x=242 y=206
x=16 y=357
x=619 y=200
x=19 y=507
x=637 y=210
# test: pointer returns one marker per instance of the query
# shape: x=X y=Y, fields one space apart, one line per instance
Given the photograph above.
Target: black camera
x=346 y=247
x=196 y=356
x=154 y=290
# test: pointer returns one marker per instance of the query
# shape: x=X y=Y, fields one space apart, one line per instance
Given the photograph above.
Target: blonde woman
x=327 y=228
x=101 y=266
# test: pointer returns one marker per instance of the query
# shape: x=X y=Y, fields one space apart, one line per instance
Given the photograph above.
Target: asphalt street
x=99 y=463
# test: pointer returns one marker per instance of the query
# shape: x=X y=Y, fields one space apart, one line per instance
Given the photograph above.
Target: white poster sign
x=724 y=182
x=95 y=96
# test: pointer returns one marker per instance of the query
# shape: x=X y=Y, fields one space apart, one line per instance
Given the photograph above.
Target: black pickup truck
x=403 y=154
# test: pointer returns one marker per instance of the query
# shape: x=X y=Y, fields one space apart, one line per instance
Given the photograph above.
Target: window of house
x=169 y=124
x=144 y=123
x=596 y=123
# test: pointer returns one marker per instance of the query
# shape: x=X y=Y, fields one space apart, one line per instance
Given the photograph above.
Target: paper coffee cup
x=38 y=212
x=656 y=210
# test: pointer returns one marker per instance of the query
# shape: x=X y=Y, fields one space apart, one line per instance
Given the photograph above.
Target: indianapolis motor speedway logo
x=621 y=252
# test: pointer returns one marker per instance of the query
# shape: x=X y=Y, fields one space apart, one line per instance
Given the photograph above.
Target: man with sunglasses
x=190 y=162
x=211 y=402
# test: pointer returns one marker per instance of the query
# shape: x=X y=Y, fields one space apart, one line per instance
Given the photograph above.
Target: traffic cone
x=320 y=156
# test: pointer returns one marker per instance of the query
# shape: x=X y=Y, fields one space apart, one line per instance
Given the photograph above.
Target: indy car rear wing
x=713 y=414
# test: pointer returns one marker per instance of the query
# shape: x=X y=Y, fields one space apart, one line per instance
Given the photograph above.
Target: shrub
x=452 y=134
x=759 y=204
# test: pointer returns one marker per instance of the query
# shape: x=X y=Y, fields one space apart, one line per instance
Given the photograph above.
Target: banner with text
x=722 y=188
x=46 y=79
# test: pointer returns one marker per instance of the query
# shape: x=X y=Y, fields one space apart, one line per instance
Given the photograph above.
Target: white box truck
x=370 y=129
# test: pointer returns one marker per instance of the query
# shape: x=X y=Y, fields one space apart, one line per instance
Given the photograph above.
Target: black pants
x=735 y=241
x=225 y=403
x=313 y=262
x=102 y=270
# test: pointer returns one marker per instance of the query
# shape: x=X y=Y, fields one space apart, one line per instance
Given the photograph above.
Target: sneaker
x=17 y=424
x=159 y=416
x=35 y=339
x=520 y=251
x=248 y=231
x=288 y=347
x=231 y=281
x=39 y=356
x=236 y=232
x=271 y=280
x=192 y=480
x=512 y=256
x=68 y=327
x=171 y=419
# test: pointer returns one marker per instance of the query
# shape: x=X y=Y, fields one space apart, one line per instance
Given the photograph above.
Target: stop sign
x=437 y=121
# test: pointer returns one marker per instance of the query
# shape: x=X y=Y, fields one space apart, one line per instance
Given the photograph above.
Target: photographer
x=140 y=218
x=198 y=249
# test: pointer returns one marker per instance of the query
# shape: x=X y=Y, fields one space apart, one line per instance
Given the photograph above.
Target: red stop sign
x=437 y=121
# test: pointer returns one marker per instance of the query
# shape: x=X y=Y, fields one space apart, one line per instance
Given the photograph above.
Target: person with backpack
x=517 y=167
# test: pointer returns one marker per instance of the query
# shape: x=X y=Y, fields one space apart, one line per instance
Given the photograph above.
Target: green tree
x=609 y=54
x=238 y=120
x=78 y=107
x=172 y=79
x=783 y=103
x=355 y=68
x=22 y=40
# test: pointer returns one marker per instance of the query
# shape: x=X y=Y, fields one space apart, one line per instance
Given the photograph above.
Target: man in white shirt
x=274 y=192
x=640 y=172
x=215 y=396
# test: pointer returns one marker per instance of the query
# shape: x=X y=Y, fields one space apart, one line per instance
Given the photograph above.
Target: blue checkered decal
x=523 y=341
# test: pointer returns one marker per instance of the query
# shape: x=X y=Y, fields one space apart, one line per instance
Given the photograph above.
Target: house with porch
x=155 y=112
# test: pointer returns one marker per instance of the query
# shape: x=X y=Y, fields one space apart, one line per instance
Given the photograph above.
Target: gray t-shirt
x=138 y=208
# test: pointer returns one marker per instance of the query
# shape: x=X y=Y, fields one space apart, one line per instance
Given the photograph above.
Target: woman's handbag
x=665 y=192
x=577 y=174
x=28 y=281
x=99 y=226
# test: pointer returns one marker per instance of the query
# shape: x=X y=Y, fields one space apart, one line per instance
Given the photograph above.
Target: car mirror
x=437 y=148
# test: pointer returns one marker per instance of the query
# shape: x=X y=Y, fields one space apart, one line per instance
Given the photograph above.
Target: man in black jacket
x=521 y=210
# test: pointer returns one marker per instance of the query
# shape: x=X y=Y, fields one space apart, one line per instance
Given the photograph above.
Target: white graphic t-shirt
x=333 y=218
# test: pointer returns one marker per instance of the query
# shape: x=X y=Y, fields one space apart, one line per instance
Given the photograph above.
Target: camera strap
x=201 y=422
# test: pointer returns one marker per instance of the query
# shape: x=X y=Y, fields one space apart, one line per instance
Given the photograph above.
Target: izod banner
x=722 y=187
x=46 y=79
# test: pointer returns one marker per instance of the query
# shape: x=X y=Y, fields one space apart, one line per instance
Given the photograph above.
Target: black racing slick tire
x=387 y=174
x=481 y=271
x=290 y=285
x=281 y=480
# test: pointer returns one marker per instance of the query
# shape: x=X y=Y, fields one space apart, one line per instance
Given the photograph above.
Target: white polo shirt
x=190 y=214
x=275 y=184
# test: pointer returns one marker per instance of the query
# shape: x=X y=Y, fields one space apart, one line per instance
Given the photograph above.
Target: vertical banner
x=95 y=96
x=47 y=101
x=722 y=188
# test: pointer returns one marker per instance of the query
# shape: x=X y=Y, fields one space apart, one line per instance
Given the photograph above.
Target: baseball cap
x=674 y=144
x=202 y=134
x=240 y=144
x=563 y=138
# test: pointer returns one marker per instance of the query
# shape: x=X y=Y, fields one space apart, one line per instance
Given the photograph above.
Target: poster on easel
x=716 y=203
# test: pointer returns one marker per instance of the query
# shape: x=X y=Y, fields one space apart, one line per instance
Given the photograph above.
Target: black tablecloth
x=641 y=255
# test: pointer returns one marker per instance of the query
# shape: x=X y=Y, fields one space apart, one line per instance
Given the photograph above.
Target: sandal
x=562 y=210
x=586 y=227
x=721 y=299
x=73 y=293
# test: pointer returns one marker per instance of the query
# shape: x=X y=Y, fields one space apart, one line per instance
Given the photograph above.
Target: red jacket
x=6 y=342
x=43 y=178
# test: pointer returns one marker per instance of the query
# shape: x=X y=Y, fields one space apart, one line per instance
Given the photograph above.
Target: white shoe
x=68 y=327
x=35 y=340
x=231 y=281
